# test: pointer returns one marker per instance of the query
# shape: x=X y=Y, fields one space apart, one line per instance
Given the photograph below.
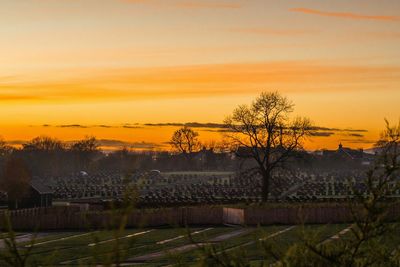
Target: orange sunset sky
x=108 y=67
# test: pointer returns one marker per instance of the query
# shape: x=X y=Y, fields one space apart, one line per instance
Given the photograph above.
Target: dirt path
x=261 y=239
x=187 y=247
x=230 y=235
x=106 y=241
x=182 y=236
x=160 y=254
x=24 y=238
x=252 y=242
x=61 y=239
x=123 y=237
x=138 y=260
x=337 y=236
x=140 y=233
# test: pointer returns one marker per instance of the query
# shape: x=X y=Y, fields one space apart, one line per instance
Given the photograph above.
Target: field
x=166 y=246
x=202 y=173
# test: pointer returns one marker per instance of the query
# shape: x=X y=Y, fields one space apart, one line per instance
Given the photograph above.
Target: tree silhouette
x=85 y=150
x=44 y=143
x=45 y=155
x=5 y=149
x=15 y=180
x=264 y=132
x=185 y=140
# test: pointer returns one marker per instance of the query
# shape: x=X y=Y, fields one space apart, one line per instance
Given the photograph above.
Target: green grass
x=249 y=246
x=148 y=243
x=53 y=249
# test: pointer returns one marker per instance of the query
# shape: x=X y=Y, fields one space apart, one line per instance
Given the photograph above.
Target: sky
x=127 y=62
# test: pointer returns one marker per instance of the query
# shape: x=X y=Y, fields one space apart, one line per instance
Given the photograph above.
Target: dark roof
x=40 y=187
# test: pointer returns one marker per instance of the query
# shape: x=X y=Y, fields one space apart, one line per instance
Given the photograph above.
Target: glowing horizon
x=160 y=61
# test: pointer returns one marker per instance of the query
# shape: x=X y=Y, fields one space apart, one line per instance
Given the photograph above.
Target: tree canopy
x=185 y=140
x=264 y=132
x=15 y=179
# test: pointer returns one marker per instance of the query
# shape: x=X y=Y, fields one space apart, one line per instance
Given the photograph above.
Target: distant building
x=347 y=154
x=39 y=196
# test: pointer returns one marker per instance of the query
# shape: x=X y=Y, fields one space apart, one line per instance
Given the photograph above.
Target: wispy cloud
x=270 y=31
x=195 y=4
x=204 y=4
x=384 y=35
x=72 y=126
x=318 y=131
x=355 y=135
x=327 y=132
x=8 y=97
x=322 y=134
x=126 y=126
x=359 y=141
x=354 y=130
x=118 y=144
x=319 y=128
x=125 y=84
x=208 y=126
x=119 y=132
x=131 y=127
x=188 y=124
x=345 y=15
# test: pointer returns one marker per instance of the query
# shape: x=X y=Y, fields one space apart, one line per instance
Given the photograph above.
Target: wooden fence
x=68 y=218
x=233 y=216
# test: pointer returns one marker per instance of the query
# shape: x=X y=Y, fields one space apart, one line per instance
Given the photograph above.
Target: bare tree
x=85 y=150
x=44 y=155
x=264 y=132
x=44 y=144
x=388 y=146
x=89 y=144
x=185 y=140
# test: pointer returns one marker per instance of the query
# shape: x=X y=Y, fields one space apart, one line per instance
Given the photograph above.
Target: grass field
x=166 y=246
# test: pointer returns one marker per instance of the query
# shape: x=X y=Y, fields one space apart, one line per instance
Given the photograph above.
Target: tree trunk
x=266 y=178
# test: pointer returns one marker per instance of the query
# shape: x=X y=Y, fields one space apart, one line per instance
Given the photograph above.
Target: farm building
x=39 y=196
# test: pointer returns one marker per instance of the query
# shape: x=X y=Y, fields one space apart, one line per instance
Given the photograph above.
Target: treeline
x=47 y=156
